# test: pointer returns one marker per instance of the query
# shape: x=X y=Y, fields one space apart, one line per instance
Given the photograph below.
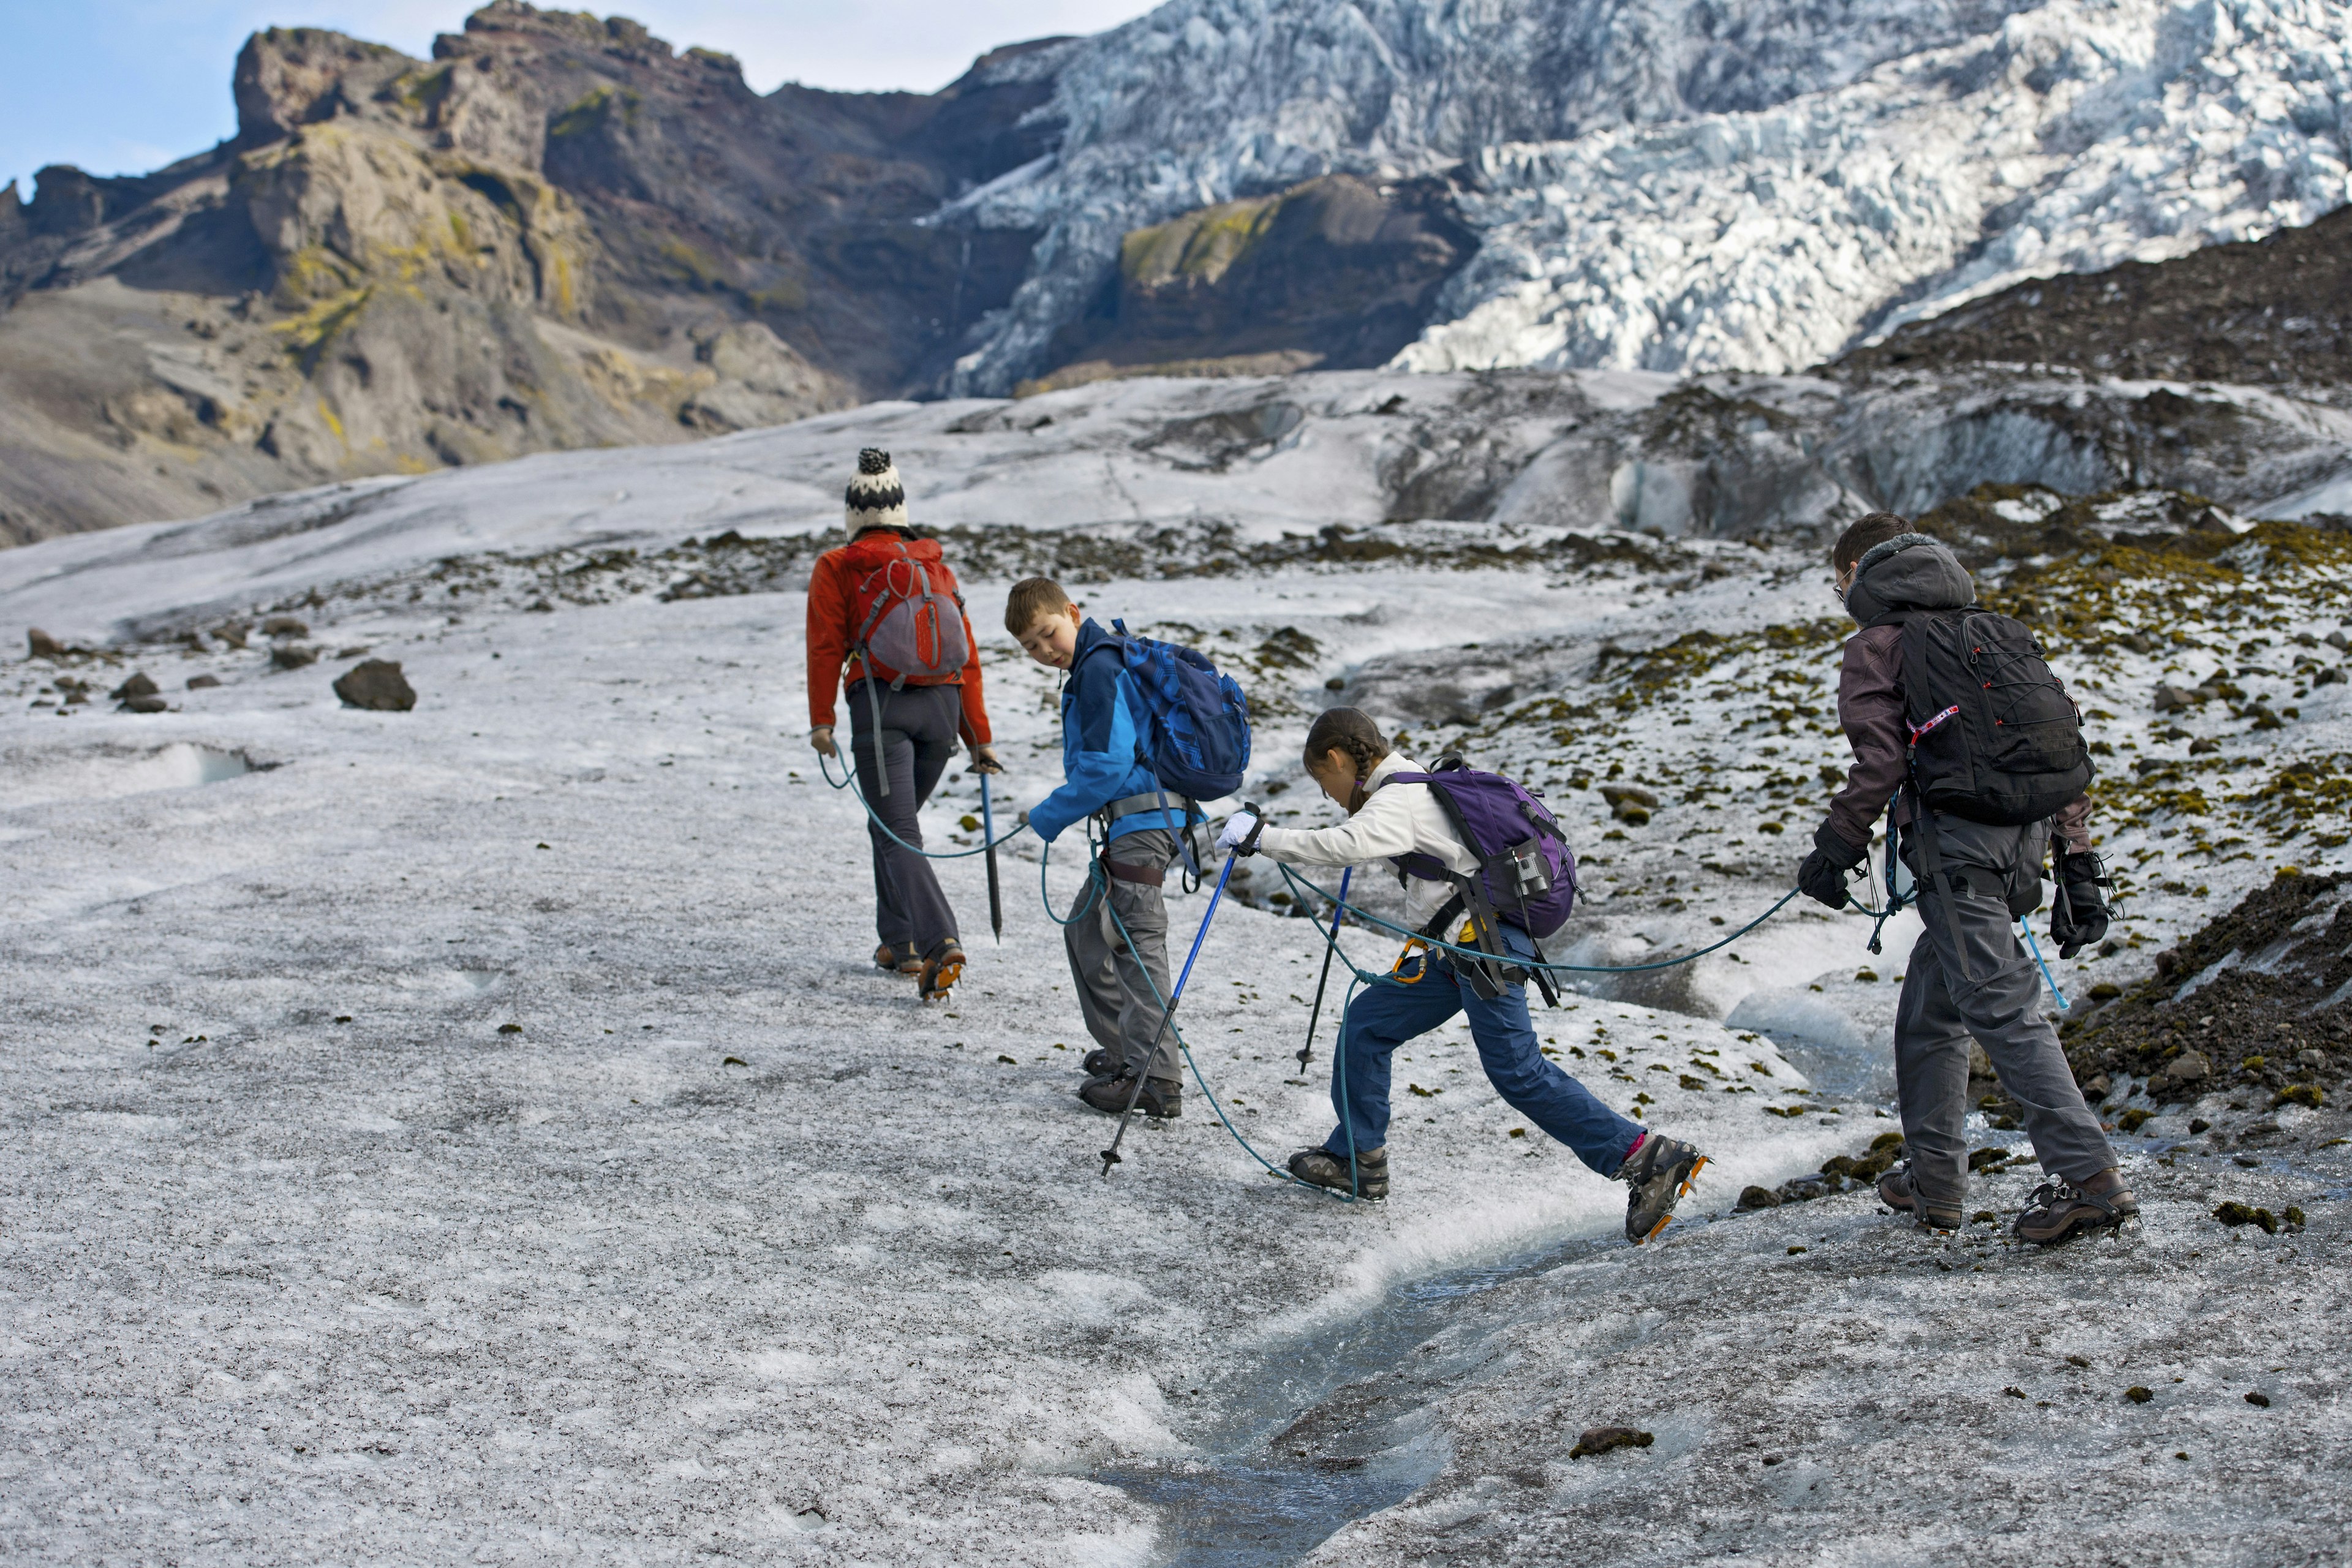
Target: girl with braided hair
x=1350 y=762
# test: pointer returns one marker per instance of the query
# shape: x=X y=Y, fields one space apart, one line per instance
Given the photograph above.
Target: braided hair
x=1348 y=729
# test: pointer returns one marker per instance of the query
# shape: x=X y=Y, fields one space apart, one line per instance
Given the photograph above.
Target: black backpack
x=1994 y=737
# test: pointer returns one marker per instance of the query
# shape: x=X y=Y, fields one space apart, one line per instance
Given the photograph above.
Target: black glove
x=1822 y=876
x=2078 y=916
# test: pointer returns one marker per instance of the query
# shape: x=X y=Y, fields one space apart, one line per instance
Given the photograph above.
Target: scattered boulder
x=377 y=684
x=293 y=655
x=1628 y=804
x=2138 y=1394
x=2170 y=697
x=1603 y=1439
x=1753 y=1198
x=232 y=632
x=43 y=645
x=283 y=626
x=199 y=682
x=2188 y=1068
x=140 y=695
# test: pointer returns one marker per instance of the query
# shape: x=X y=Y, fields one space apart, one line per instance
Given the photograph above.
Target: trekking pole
x=1339 y=907
x=2035 y=948
x=1167 y=1014
x=988 y=836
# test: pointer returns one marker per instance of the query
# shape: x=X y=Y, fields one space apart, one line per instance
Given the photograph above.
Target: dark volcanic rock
x=293 y=655
x=376 y=683
x=2236 y=1004
x=1605 y=1439
x=42 y=645
x=2270 y=311
x=1335 y=273
x=199 y=682
x=138 y=685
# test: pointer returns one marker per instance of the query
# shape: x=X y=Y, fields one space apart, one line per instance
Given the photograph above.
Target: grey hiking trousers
x=1121 y=1005
x=1970 y=975
x=919 y=739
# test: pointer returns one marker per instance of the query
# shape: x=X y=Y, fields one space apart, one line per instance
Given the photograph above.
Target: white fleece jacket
x=1405 y=820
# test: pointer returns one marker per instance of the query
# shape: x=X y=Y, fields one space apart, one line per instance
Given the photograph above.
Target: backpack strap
x=1489 y=974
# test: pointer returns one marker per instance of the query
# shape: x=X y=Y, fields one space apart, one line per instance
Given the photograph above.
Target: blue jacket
x=1104 y=727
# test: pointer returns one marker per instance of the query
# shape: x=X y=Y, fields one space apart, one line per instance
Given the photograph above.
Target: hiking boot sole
x=2086 y=1225
x=1690 y=1181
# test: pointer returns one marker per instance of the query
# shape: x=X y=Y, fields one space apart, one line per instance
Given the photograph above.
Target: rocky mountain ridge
x=557 y=232
x=561 y=232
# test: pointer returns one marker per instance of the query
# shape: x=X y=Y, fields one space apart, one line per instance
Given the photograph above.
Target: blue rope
x=849 y=783
x=1097 y=885
x=1364 y=915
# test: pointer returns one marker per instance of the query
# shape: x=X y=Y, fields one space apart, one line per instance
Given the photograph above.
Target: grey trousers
x=1970 y=975
x=919 y=738
x=1121 y=1005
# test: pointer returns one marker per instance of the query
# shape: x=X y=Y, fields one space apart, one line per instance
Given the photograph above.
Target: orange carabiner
x=1404 y=955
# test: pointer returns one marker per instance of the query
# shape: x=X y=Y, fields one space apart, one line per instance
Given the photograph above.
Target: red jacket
x=833 y=620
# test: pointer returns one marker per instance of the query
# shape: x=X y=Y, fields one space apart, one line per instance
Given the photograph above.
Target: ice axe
x=1167 y=1014
x=1307 y=1050
x=988 y=836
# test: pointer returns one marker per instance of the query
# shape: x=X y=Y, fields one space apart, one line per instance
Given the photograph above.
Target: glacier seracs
x=1672 y=185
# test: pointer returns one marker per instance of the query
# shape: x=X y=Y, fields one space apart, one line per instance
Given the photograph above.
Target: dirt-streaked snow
x=727 y=1246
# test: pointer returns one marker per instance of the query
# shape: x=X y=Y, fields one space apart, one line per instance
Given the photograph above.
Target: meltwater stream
x=1331 y=1428
x=1327 y=1431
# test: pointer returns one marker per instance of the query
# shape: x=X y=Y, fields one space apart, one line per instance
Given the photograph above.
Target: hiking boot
x=1098 y=1063
x=942 y=970
x=897 y=959
x=1660 y=1170
x=1162 y=1098
x=1322 y=1168
x=2058 y=1212
x=1898 y=1191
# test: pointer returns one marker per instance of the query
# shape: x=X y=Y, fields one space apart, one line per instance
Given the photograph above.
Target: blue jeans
x=1388 y=1011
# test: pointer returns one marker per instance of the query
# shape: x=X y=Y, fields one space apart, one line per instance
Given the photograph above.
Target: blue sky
x=125 y=86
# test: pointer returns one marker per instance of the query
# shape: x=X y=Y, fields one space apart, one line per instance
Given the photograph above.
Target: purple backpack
x=1526 y=875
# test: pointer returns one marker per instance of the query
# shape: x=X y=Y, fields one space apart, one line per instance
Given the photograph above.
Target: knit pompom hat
x=876 y=498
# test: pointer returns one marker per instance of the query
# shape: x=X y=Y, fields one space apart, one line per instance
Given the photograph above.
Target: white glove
x=1238 y=827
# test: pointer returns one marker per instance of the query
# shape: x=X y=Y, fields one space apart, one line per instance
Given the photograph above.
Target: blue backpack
x=1199 y=741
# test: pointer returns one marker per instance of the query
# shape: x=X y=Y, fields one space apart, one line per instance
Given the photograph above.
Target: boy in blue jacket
x=1122 y=979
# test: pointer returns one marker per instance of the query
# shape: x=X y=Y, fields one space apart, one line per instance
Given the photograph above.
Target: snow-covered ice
x=477 y=1133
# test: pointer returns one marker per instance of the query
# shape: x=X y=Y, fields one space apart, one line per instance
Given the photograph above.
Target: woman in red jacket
x=887 y=593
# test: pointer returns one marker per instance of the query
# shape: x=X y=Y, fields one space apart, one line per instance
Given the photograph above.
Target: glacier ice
x=1684 y=186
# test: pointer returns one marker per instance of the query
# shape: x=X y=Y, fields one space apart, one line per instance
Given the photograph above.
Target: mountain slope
x=1691 y=184
x=556 y=233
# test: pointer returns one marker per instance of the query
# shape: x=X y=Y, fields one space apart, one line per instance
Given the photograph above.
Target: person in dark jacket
x=1969 y=975
x=1117 y=936
x=903 y=726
